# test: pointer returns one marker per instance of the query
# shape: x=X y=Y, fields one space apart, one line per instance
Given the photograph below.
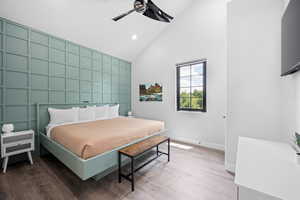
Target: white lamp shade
x=8 y=128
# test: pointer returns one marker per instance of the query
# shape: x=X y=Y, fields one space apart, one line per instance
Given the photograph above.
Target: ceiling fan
x=148 y=9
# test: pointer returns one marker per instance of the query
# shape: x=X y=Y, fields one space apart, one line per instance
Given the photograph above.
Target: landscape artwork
x=151 y=92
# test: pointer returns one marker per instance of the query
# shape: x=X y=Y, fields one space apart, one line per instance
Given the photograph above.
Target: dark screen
x=291 y=37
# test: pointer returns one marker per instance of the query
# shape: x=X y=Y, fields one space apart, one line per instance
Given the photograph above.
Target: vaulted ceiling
x=88 y=22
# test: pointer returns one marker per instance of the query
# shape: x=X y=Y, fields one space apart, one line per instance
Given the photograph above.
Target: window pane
x=185 y=71
x=190 y=86
x=184 y=102
x=197 y=103
x=185 y=81
x=185 y=92
x=197 y=92
x=197 y=80
x=197 y=70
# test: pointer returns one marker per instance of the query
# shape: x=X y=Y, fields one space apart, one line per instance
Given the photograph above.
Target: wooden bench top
x=141 y=147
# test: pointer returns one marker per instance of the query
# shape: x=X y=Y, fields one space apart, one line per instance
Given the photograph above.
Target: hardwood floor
x=196 y=174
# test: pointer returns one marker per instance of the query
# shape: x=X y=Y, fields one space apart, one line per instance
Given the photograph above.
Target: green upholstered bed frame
x=96 y=167
x=36 y=67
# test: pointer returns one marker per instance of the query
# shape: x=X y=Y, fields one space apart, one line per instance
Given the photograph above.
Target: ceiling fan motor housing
x=148 y=9
x=140 y=6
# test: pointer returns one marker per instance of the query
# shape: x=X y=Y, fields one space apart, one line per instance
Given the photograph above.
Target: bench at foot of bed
x=136 y=150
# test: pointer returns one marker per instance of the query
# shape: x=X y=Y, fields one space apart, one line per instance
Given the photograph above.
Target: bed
x=86 y=152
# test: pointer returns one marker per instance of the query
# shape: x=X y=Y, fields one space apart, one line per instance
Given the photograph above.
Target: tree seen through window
x=191 y=86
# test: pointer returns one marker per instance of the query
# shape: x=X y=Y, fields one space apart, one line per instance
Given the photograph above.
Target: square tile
x=39 y=37
x=16 y=46
x=16 y=30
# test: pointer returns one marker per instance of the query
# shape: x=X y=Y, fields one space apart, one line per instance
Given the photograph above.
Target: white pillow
x=101 y=112
x=59 y=116
x=86 y=114
x=113 y=111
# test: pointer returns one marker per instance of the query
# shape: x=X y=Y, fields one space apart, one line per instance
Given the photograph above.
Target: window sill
x=191 y=111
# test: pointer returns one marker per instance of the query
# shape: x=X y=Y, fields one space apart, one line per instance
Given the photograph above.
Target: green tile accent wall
x=36 y=67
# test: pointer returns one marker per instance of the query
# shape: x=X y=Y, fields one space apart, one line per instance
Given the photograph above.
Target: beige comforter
x=89 y=139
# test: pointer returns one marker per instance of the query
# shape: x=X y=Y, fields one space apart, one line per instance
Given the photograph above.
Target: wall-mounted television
x=291 y=39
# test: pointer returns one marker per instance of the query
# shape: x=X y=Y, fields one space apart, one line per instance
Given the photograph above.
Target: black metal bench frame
x=130 y=177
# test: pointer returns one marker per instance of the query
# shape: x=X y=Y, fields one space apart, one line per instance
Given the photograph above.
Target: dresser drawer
x=17 y=138
x=18 y=148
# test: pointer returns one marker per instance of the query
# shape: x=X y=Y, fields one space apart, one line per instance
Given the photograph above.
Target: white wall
x=290 y=109
x=296 y=105
x=254 y=63
x=200 y=32
x=291 y=105
x=286 y=3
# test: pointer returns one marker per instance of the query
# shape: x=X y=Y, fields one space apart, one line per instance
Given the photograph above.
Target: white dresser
x=16 y=143
x=266 y=170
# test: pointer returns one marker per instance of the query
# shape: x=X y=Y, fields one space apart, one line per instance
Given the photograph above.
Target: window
x=191 y=86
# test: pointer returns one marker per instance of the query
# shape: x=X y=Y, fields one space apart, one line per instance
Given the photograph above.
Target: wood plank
x=140 y=147
x=193 y=174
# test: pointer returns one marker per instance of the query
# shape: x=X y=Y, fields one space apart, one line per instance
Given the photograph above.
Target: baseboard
x=213 y=146
x=202 y=144
x=230 y=167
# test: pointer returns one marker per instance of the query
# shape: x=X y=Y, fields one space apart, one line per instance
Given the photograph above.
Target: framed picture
x=151 y=92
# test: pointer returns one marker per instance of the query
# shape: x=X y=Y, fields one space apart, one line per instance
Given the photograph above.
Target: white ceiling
x=88 y=22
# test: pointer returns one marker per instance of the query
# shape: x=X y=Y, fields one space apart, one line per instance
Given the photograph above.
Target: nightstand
x=16 y=143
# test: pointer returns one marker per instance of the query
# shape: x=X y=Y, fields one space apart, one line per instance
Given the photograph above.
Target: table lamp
x=7 y=128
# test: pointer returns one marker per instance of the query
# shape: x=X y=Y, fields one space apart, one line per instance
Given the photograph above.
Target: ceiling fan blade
x=153 y=15
x=157 y=9
x=154 y=12
x=168 y=16
x=123 y=15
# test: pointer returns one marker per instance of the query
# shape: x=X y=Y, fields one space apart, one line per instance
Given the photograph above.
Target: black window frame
x=178 y=66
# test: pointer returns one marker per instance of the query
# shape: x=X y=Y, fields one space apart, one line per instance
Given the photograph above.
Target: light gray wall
x=291 y=105
x=296 y=106
x=286 y=3
x=254 y=64
x=290 y=108
x=200 y=32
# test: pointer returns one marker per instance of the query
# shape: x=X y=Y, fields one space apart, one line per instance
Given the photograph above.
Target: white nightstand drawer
x=18 y=148
x=17 y=138
x=17 y=143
